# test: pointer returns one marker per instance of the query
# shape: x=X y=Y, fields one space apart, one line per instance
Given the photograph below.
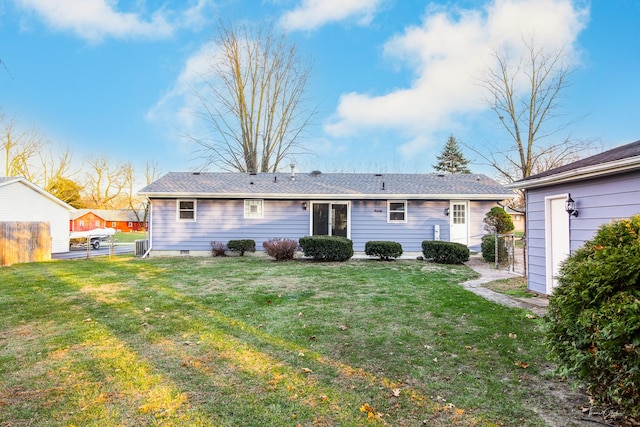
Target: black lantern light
x=570 y=206
x=304 y=206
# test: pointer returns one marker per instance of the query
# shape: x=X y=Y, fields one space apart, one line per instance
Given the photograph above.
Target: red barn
x=124 y=220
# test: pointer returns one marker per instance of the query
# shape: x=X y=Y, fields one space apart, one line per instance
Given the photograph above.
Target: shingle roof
x=618 y=159
x=325 y=185
x=122 y=215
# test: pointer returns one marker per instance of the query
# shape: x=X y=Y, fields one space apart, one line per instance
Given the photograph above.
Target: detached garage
x=566 y=206
x=23 y=201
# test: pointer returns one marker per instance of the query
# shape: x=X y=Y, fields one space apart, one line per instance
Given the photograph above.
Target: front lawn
x=251 y=342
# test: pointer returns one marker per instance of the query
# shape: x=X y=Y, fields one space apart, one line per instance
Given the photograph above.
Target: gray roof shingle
x=618 y=153
x=329 y=185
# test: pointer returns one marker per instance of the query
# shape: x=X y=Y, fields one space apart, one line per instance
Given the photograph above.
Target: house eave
x=619 y=166
x=316 y=196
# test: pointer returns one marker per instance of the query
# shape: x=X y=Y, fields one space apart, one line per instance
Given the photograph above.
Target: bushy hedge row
x=242 y=246
x=383 y=249
x=445 y=252
x=593 y=323
x=327 y=248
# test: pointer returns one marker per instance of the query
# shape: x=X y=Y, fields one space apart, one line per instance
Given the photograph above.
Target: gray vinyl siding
x=599 y=201
x=478 y=210
x=369 y=222
x=223 y=220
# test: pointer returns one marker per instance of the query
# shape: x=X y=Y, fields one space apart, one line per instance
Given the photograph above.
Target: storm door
x=330 y=219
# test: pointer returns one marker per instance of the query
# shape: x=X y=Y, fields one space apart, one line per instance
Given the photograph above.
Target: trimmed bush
x=218 y=248
x=593 y=324
x=498 y=221
x=383 y=249
x=242 y=246
x=327 y=248
x=281 y=249
x=488 y=248
x=445 y=252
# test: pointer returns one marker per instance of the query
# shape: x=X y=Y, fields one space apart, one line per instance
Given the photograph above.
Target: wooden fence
x=24 y=242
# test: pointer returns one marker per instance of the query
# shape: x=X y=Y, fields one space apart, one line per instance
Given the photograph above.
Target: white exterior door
x=556 y=238
x=459 y=222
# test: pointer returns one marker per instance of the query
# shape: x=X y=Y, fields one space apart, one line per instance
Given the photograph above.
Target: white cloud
x=95 y=20
x=447 y=53
x=180 y=99
x=311 y=14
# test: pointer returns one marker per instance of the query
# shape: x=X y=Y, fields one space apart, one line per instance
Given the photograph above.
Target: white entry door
x=459 y=222
x=556 y=238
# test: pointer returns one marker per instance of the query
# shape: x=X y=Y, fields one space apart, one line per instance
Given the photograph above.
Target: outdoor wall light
x=446 y=211
x=570 y=206
x=304 y=206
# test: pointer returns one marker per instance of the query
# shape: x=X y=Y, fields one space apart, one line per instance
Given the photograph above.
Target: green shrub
x=242 y=246
x=593 y=323
x=445 y=252
x=383 y=249
x=488 y=248
x=281 y=249
x=327 y=248
x=218 y=248
x=498 y=221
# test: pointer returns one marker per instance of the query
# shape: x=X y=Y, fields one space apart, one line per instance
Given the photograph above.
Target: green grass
x=123 y=237
x=245 y=341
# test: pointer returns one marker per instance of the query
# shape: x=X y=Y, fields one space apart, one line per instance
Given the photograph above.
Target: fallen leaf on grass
x=396 y=392
x=513 y=336
x=522 y=364
x=147 y=309
x=530 y=316
x=343 y=327
x=307 y=370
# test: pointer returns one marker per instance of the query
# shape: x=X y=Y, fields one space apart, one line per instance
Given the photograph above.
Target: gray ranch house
x=189 y=210
x=565 y=207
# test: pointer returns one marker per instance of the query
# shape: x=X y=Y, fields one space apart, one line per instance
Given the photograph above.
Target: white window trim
x=259 y=203
x=195 y=210
x=395 y=221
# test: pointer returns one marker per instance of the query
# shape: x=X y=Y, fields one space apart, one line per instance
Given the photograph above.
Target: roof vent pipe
x=293 y=171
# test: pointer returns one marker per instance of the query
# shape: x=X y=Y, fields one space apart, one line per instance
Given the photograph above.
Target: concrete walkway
x=536 y=305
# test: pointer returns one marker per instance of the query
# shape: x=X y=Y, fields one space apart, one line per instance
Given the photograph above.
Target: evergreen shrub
x=488 y=248
x=242 y=246
x=327 y=248
x=384 y=250
x=593 y=322
x=445 y=252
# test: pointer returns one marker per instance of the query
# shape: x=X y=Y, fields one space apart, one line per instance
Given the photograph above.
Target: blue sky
x=392 y=79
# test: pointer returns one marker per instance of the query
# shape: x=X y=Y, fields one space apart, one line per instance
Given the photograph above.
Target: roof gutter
x=618 y=166
x=351 y=196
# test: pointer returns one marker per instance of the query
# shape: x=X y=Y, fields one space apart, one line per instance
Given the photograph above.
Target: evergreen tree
x=451 y=159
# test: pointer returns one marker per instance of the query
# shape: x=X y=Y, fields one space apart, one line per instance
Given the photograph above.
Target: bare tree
x=254 y=102
x=105 y=184
x=525 y=95
x=19 y=148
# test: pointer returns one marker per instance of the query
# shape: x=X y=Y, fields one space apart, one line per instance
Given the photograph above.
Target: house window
x=459 y=214
x=97 y=223
x=253 y=208
x=130 y=224
x=186 y=210
x=113 y=223
x=396 y=211
x=81 y=223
